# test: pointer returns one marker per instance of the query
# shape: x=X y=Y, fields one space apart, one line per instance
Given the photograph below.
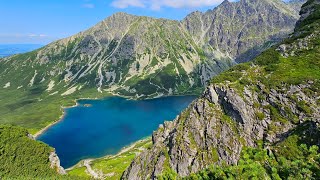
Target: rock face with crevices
x=215 y=128
x=55 y=163
x=245 y=28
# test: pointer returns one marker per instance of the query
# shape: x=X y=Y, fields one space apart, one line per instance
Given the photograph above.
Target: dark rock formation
x=215 y=128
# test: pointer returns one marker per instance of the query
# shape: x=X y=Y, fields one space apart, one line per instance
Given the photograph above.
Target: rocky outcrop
x=308 y=9
x=301 y=44
x=55 y=163
x=215 y=128
x=296 y=4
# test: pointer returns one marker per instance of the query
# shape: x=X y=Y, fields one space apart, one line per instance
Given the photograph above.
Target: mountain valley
x=255 y=65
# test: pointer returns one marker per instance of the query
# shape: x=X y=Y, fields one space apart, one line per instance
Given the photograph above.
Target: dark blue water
x=97 y=128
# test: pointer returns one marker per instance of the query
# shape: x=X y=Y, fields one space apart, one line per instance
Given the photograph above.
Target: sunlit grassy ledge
x=109 y=166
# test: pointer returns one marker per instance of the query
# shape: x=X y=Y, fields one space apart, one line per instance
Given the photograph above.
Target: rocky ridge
x=215 y=128
x=243 y=29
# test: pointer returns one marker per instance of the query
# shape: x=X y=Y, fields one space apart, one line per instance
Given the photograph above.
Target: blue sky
x=43 y=21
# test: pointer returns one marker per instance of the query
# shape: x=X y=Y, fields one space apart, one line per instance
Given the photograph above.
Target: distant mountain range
x=145 y=57
x=11 y=49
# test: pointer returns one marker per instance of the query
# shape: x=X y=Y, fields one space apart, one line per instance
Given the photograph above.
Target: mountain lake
x=96 y=128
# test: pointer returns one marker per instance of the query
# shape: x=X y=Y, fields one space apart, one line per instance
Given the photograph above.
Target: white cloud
x=127 y=3
x=158 y=4
x=26 y=38
x=36 y=35
x=32 y=35
x=89 y=6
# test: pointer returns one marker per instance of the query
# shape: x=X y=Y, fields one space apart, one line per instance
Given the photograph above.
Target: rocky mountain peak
x=120 y=16
x=225 y=2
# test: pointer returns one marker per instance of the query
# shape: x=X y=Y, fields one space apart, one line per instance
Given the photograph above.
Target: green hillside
x=22 y=157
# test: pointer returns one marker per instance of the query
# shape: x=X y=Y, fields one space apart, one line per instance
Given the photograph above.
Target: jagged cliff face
x=145 y=57
x=243 y=29
x=296 y=4
x=309 y=13
x=55 y=163
x=253 y=102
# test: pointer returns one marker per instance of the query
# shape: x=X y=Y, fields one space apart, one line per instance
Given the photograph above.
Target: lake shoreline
x=77 y=103
x=43 y=130
x=123 y=150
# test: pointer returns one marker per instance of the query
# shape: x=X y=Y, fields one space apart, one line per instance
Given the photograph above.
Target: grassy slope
x=273 y=70
x=112 y=167
x=33 y=107
x=35 y=112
